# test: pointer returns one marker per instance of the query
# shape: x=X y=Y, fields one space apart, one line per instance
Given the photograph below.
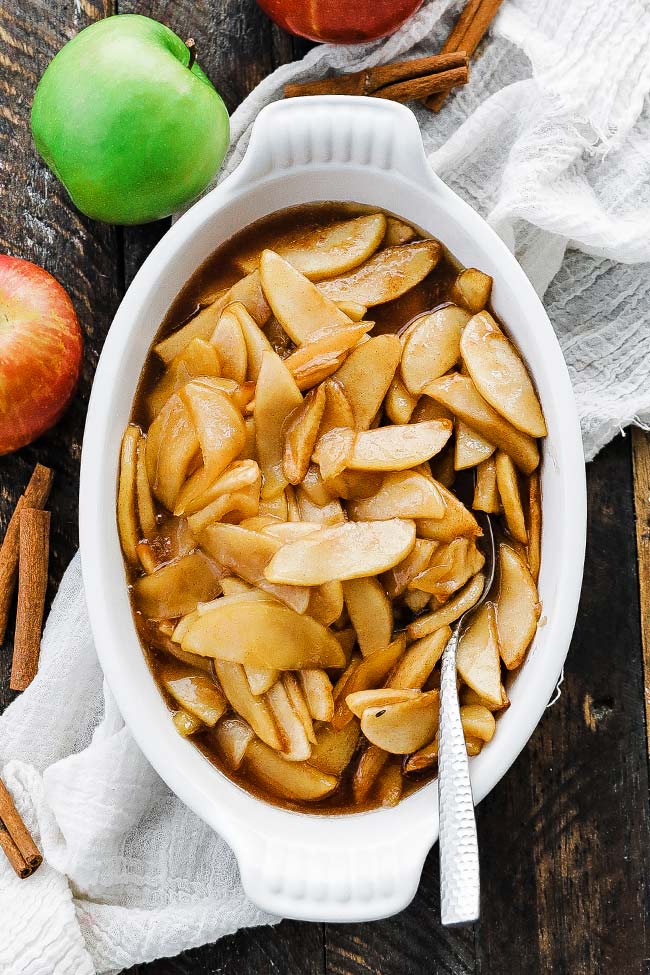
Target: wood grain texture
x=38 y=222
x=641 y=458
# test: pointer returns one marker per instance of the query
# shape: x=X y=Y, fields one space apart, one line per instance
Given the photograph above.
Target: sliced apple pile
x=294 y=509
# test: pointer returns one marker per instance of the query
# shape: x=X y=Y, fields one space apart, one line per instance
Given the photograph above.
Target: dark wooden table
x=565 y=837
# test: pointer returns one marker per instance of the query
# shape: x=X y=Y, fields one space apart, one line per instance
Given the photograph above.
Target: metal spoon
x=459 y=862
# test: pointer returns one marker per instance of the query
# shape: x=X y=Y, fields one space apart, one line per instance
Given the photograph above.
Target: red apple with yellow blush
x=41 y=348
x=340 y=21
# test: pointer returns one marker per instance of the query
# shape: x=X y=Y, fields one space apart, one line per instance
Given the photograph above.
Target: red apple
x=40 y=352
x=340 y=21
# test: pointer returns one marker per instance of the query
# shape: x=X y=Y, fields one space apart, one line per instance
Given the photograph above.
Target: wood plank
x=641 y=461
x=566 y=835
x=38 y=222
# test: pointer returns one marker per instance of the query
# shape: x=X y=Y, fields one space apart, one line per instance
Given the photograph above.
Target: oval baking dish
x=319 y=867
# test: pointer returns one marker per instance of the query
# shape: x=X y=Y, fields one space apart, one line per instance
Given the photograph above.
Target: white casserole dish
x=316 y=867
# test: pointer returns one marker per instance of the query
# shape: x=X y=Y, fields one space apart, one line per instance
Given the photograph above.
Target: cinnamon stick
x=15 y=838
x=376 y=81
x=468 y=32
x=32 y=584
x=35 y=496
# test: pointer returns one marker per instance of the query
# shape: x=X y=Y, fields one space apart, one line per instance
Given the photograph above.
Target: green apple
x=128 y=122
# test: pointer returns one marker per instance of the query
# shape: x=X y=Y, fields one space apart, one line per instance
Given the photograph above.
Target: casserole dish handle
x=316 y=132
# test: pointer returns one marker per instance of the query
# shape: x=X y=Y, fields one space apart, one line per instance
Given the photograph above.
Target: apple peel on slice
x=500 y=375
x=517 y=608
x=387 y=275
x=347 y=551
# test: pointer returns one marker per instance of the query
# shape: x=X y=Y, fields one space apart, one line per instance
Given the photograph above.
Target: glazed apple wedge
x=264 y=634
x=402 y=494
x=366 y=375
x=478 y=661
x=386 y=276
x=277 y=396
x=303 y=311
x=327 y=251
x=393 y=448
x=291 y=780
x=517 y=609
x=348 y=551
x=432 y=346
x=500 y=375
x=404 y=727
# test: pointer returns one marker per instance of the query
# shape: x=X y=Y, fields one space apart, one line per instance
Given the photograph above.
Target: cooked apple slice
x=175 y=588
x=478 y=662
x=500 y=376
x=460 y=395
x=314 y=486
x=255 y=341
x=403 y=728
x=298 y=701
x=471 y=448
x=144 y=501
x=469 y=696
x=390 y=785
x=456 y=520
x=236 y=505
x=297 y=781
x=369 y=767
x=186 y=724
x=326 y=602
x=287 y=531
x=477 y=722
x=416 y=665
x=228 y=339
x=277 y=395
x=317 y=688
x=517 y=609
x=510 y=497
x=326 y=251
x=263 y=634
x=297 y=747
x=450 y=612
x=220 y=430
x=416 y=600
x=366 y=375
x=254 y=710
x=338 y=411
x=274 y=508
x=299 y=306
x=450 y=568
x=353 y=485
x=241 y=475
x=422 y=759
x=347 y=551
x=334 y=748
x=247 y=553
x=301 y=434
x=398 y=232
x=196 y=693
x=314 y=362
x=386 y=276
x=172 y=445
x=534 y=524
x=352 y=309
x=399 y=404
x=428 y=409
x=360 y=700
x=397 y=579
x=370 y=673
x=233 y=736
x=248 y=291
x=322 y=514
x=472 y=289
x=432 y=346
x=127 y=520
x=198 y=358
x=371 y=613
x=403 y=494
x=486 y=493
x=392 y=448
x=261 y=679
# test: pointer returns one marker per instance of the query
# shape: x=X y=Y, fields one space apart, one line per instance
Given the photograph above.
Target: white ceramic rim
x=317 y=867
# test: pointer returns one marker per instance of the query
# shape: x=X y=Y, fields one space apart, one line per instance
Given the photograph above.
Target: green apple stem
x=190 y=44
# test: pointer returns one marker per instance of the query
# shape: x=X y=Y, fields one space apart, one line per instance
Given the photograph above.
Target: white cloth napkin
x=551 y=142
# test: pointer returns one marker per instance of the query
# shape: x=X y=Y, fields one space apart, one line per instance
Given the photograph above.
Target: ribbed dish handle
x=352 y=881
x=334 y=129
